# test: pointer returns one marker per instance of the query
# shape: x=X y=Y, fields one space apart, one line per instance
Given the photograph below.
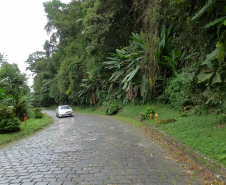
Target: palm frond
x=131 y=75
x=203 y=9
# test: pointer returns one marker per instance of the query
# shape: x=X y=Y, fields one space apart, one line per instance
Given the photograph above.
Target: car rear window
x=64 y=107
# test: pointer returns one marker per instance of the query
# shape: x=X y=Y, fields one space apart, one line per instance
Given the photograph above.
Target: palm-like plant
x=164 y=51
x=126 y=63
x=90 y=87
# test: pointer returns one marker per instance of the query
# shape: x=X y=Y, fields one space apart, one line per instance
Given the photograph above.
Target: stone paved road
x=88 y=149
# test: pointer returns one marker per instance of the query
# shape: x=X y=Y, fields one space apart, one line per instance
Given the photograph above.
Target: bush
x=9 y=125
x=112 y=108
x=21 y=107
x=8 y=121
x=149 y=110
x=180 y=91
x=30 y=113
x=38 y=114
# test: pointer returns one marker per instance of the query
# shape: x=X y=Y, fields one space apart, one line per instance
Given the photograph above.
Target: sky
x=22 y=30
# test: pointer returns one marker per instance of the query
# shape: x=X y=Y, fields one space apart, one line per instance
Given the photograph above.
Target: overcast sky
x=22 y=29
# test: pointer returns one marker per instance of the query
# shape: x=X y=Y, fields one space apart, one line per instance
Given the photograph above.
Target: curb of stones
x=211 y=166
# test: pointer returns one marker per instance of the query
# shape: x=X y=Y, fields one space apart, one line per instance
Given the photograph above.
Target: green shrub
x=8 y=121
x=112 y=108
x=21 y=107
x=179 y=92
x=30 y=113
x=38 y=114
x=146 y=115
x=9 y=125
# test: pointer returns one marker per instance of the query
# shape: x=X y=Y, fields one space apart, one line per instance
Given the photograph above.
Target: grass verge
x=32 y=126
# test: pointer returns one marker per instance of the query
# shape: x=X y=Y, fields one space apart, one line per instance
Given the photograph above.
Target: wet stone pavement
x=89 y=149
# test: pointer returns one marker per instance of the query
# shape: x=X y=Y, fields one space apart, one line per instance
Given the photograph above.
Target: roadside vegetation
x=171 y=51
x=16 y=105
x=109 y=55
x=33 y=125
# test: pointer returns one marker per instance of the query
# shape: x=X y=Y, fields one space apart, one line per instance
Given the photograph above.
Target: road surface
x=89 y=149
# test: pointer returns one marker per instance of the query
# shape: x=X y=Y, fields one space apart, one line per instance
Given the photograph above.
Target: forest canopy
x=172 y=51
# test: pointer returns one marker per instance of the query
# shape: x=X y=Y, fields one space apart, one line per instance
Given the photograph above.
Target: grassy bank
x=33 y=125
x=205 y=133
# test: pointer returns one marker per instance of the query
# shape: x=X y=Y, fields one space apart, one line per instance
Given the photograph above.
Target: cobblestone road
x=88 y=149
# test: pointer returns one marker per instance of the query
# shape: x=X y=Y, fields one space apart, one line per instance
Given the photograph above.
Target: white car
x=64 y=110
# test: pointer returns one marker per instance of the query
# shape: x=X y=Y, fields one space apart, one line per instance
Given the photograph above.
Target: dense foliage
x=8 y=121
x=146 y=114
x=14 y=93
x=38 y=114
x=132 y=51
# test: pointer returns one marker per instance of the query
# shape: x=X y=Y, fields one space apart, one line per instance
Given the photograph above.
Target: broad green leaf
x=191 y=55
x=133 y=73
x=131 y=54
x=170 y=61
x=80 y=20
x=116 y=75
x=163 y=63
x=130 y=75
x=207 y=92
x=182 y=56
x=6 y=99
x=203 y=9
x=216 y=78
x=221 y=51
x=202 y=77
x=3 y=80
x=144 y=85
x=219 y=26
x=211 y=56
x=215 y=21
x=169 y=30
x=131 y=63
x=162 y=42
x=175 y=56
x=158 y=53
x=138 y=58
x=121 y=53
x=163 y=30
x=83 y=31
